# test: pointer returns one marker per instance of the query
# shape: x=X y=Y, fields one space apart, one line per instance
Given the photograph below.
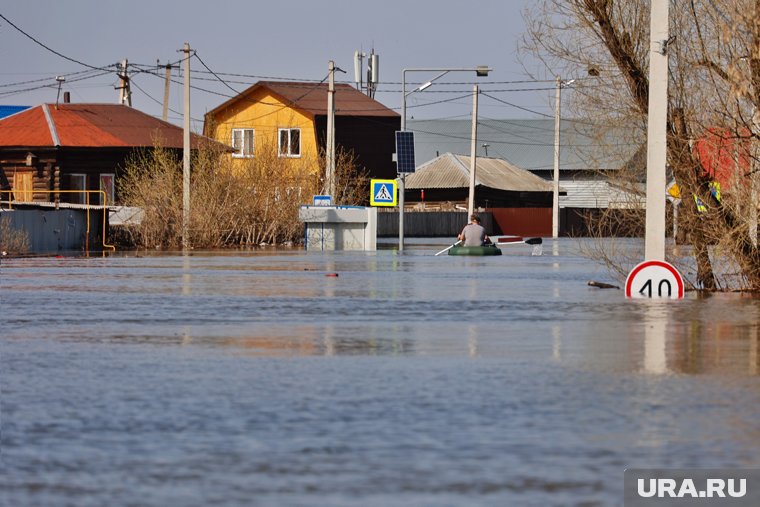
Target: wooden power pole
x=125 y=94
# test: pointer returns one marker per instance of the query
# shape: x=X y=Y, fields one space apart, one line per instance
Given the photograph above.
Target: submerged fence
x=428 y=224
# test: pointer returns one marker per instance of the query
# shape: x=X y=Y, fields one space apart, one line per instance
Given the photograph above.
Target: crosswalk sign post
x=383 y=193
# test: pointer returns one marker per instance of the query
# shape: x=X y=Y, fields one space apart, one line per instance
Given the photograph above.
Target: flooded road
x=262 y=379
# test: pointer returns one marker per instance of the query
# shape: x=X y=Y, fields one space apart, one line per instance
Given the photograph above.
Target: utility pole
x=555 y=192
x=167 y=80
x=186 y=154
x=125 y=94
x=473 y=152
x=654 y=239
x=330 y=148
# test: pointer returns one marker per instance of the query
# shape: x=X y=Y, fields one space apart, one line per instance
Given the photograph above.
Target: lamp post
x=480 y=71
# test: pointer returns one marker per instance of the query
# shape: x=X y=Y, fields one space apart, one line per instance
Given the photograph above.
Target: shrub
x=233 y=202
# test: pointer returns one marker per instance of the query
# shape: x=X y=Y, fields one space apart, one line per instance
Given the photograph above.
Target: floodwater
x=256 y=379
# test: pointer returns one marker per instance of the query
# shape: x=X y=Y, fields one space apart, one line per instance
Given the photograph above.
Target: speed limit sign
x=654 y=280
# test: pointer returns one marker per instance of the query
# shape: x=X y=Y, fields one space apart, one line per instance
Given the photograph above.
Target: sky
x=243 y=42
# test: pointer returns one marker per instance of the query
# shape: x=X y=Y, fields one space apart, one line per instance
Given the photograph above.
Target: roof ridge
x=51 y=126
x=465 y=170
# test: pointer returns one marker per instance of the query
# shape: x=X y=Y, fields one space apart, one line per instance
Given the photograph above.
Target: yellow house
x=293 y=117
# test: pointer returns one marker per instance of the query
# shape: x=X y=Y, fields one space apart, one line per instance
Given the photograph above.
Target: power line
x=516 y=106
x=53 y=50
x=215 y=74
x=51 y=85
x=156 y=100
x=39 y=80
x=469 y=95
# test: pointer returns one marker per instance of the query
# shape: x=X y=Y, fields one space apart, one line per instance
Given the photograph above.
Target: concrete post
x=654 y=241
x=473 y=152
x=186 y=155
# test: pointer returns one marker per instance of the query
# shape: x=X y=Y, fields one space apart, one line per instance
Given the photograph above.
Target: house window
x=290 y=142
x=242 y=141
x=107 y=186
x=78 y=184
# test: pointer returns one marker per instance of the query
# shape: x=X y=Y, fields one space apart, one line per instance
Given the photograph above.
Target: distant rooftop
x=312 y=99
x=453 y=171
x=9 y=110
x=529 y=143
x=88 y=126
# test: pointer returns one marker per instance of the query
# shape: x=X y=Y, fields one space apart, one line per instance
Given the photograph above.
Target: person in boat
x=473 y=233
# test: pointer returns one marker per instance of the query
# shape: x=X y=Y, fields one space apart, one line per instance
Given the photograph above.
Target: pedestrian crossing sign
x=382 y=193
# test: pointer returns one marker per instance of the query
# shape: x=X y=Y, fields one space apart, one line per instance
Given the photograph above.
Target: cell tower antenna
x=373 y=72
x=358 y=66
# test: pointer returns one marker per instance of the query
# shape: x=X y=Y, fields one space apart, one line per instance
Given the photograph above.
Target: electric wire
x=538 y=113
x=215 y=74
x=74 y=60
x=39 y=80
x=51 y=85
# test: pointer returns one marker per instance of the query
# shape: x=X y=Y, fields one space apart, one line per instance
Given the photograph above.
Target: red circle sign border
x=646 y=264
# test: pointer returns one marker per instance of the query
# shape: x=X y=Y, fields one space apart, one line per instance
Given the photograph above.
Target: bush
x=12 y=241
x=233 y=202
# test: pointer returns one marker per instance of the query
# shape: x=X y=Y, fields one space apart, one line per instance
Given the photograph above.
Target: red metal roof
x=27 y=128
x=88 y=126
x=312 y=98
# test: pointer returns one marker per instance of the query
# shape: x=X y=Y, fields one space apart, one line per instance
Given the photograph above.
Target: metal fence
x=51 y=231
x=428 y=224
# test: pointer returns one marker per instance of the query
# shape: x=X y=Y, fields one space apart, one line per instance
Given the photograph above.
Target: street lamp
x=480 y=71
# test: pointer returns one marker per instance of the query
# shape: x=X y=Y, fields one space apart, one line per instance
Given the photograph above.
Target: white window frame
x=244 y=151
x=286 y=151
x=110 y=190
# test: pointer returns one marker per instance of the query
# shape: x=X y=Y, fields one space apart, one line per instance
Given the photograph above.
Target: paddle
x=505 y=240
x=449 y=247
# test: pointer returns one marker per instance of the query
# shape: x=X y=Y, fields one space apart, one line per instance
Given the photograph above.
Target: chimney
x=66 y=97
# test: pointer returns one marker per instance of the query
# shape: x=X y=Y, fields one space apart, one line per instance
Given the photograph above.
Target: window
x=107 y=186
x=242 y=141
x=290 y=142
x=77 y=182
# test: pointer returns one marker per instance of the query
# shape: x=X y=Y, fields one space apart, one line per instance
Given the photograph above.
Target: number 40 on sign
x=654 y=280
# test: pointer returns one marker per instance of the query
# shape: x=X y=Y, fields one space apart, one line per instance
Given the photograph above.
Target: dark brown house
x=56 y=152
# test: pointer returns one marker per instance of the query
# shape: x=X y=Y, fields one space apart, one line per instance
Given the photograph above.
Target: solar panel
x=405 y=152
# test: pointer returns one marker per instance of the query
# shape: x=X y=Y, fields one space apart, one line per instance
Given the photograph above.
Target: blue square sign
x=382 y=192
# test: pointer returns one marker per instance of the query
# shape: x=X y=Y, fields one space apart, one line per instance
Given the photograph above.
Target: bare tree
x=714 y=84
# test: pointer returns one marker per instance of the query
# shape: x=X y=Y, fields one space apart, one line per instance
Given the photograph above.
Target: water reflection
x=406 y=380
x=754 y=338
x=472 y=340
x=655 y=318
x=557 y=343
x=714 y=336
